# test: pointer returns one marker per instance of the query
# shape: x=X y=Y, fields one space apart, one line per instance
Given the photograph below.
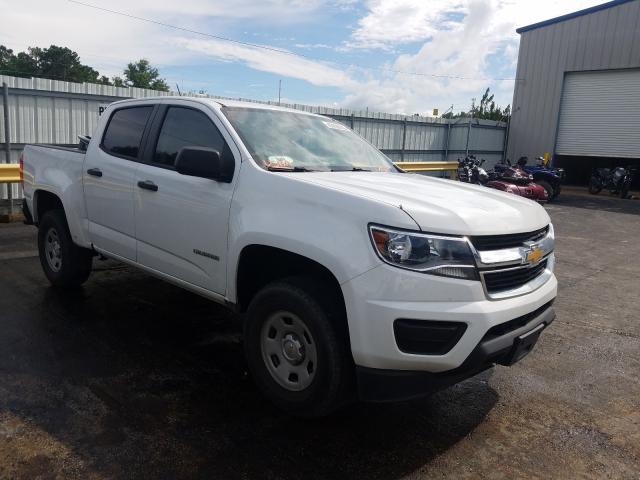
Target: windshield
x=290 y=141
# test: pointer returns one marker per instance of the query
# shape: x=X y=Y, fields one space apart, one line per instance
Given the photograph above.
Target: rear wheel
x=64 y=263
x=594 y=186
x=547 y=186
x=624 y=190
x=296 y=350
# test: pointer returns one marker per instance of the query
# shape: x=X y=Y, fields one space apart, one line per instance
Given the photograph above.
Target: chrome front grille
x=497 y=281
x=499 y=242
x=514 y=264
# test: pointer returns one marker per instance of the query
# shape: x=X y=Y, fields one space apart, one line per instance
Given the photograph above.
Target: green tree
x=486 y=109
x=141 y=74
x=59 y=63
x=63 y=63
x=6 y=57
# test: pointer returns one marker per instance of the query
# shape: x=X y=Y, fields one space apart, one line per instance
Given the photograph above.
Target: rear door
x=108 y=177
x=182 y=221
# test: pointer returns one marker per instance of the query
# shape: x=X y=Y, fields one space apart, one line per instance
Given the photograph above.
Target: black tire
x=624 y=190
x=332 y=379
x=594 y=186
x=71 y=266
x=557 y=191
x=547 y=186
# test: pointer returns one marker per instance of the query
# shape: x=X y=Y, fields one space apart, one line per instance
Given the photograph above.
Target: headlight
x=433 y=254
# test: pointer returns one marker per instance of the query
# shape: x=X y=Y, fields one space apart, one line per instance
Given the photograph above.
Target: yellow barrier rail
x=430 y=167
x=9 y=173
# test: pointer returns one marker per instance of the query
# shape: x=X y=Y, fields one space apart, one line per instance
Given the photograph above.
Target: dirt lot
x=133 y=378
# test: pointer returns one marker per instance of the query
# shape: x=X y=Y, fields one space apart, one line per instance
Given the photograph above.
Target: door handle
x=95 y=172
x=148 y=185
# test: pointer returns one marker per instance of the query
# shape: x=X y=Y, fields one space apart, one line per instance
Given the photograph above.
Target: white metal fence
x=52 y=111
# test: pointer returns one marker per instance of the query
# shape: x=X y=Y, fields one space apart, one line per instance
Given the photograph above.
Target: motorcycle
x=464 y=170
x=470 y=171
x=505 y=177
x=616 y=180
x=549 y=178
x=513 y=179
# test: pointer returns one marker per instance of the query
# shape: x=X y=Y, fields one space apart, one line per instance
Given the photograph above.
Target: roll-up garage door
x=600 y=114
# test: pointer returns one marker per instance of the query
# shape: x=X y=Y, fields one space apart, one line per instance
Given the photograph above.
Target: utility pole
x=279 y=90
x=7 y=141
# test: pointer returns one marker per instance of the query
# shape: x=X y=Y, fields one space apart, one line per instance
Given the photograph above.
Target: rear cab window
x=123 y=135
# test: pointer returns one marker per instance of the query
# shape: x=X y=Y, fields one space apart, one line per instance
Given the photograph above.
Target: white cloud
x=454 y=38
x=279 y=62
x=108 y=41
x=458 y=40
x=390 y=22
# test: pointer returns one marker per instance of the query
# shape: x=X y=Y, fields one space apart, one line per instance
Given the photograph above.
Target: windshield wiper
x=289 y=169
x=352 y=169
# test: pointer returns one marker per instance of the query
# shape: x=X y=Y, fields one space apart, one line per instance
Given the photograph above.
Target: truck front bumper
x=378 y=298
x=377 y=385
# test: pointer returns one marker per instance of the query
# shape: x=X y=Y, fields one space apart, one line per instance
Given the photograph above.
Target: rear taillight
x=21 y=161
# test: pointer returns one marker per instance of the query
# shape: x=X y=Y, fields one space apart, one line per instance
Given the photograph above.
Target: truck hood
x=438 y=205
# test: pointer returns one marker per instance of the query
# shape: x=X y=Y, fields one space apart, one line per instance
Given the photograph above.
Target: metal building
x=577 y=93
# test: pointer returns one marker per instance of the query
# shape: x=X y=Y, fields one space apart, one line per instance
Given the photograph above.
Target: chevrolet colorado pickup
x=353 y=279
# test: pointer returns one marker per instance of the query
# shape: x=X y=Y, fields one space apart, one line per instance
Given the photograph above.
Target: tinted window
x=184 y=127
x=124 y=132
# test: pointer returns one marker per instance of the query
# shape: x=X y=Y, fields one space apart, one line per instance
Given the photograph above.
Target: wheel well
x=45 y=201
x=260 y=265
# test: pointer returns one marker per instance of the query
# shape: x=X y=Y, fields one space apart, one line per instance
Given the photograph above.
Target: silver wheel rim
x=53 y=250
x=289 y=351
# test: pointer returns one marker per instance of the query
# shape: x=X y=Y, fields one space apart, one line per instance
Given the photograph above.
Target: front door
x=182 y=221
x=109 y=172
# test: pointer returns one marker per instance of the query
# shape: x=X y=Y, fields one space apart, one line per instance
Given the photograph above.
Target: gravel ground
x=133 y=378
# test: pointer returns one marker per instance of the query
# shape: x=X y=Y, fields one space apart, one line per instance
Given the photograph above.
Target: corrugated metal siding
x=384 y=135
x=600 y=114
x=51 y=111
x=604 y=40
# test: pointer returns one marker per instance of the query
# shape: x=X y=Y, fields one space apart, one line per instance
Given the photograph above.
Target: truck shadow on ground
x=140 y=379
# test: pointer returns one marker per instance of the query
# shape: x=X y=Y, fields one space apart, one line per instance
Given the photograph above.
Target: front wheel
x=595 y=186
x=296 y=350
x=64 y=263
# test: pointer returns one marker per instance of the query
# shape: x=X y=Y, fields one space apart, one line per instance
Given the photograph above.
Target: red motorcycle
x=513 y=179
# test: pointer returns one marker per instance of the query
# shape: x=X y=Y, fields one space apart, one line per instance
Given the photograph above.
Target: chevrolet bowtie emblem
x=534 y=255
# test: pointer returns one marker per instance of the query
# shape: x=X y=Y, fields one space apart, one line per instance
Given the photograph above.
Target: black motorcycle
x=616 y=180
x=470 y=171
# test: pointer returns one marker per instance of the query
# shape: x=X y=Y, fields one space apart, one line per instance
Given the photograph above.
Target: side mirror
x=205 y=163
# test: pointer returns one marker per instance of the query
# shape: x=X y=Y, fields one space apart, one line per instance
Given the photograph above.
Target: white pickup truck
x=353 y=279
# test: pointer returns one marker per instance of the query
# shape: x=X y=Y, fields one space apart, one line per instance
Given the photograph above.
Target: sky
x=396 y=56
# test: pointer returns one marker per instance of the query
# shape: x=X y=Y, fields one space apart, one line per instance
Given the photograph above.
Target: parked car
x=352 y=278
x=616 y=180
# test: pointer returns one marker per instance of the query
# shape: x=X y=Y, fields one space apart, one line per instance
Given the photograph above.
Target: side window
x=184 y=127
x=124 y=132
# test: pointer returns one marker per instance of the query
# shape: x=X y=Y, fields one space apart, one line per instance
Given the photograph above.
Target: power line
x=278 y=50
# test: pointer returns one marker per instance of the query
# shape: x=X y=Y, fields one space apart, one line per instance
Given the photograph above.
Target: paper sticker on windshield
x=336 y=126
x=279 y=161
